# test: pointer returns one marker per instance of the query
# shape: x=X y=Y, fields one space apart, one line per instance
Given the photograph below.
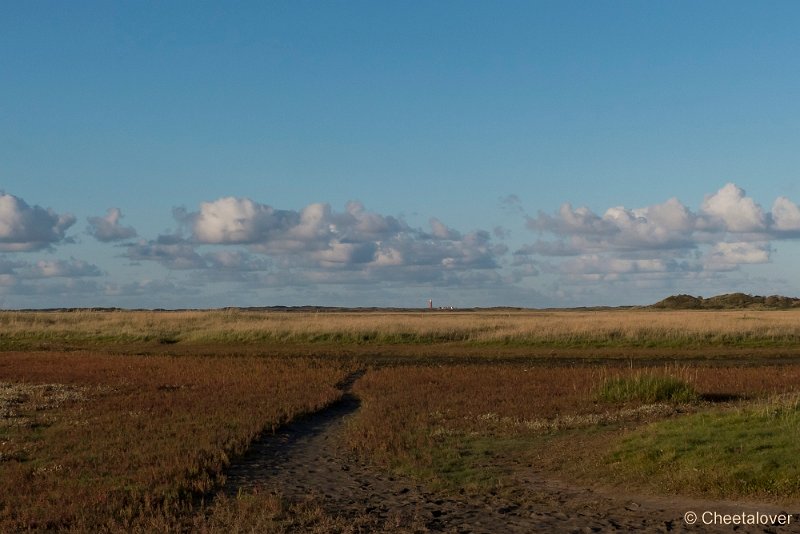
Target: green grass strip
x=646 y=388
x=752 y=451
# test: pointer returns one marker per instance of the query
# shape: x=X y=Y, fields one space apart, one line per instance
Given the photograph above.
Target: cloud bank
x=318 y=245
x=667 y=241
x=237 y=251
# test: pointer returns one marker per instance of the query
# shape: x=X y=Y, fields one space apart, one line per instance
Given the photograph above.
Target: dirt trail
x=307 y=460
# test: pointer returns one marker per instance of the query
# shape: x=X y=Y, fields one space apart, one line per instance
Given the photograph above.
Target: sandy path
x=307 y=460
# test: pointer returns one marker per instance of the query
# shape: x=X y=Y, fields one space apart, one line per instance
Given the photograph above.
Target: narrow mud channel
x=307 y=460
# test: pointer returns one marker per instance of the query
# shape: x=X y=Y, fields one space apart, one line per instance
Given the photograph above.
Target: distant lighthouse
x=430 y=304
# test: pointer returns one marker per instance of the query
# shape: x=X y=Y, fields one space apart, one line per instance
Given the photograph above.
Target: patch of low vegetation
x=426 y=422
x=136 y=443
x=647 y=388
x=748 y=451
x=468 y=426
x=268 y=513
x=558 y=423
x=458 y=426
x=19 y=403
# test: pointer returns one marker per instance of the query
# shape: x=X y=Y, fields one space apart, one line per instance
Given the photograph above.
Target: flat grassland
x=127 y=420
x=404 y=335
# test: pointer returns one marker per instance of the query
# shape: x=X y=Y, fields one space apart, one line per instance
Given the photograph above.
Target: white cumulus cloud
x=108 y=228
x=785 y=215
x=238 y=220
x=24 y=228
x=735 y=209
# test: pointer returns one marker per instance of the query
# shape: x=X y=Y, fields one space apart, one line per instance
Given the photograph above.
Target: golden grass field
x=123 y=420
x=569 y=328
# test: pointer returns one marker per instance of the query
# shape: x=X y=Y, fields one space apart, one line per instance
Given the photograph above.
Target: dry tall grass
x=576 y=328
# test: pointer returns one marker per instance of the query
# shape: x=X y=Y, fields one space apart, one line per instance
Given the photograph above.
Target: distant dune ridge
x=726 y=302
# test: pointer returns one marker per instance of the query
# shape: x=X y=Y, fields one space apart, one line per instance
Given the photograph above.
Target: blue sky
x=382 y=153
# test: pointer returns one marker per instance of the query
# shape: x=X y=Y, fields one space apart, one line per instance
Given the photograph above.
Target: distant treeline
x=727 y=301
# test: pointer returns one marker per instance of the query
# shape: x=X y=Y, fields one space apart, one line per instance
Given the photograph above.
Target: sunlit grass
x=748 y=451
x=647 y=388
x=560 y=329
